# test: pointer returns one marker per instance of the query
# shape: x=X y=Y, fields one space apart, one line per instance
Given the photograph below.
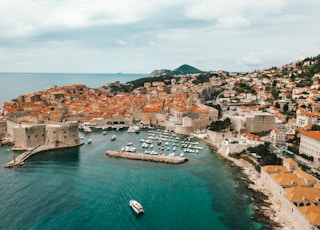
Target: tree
x=277 y=105
x=315 y=128
x=267 y=157
x=275 y=93
x=285 y=108
x=220 y=125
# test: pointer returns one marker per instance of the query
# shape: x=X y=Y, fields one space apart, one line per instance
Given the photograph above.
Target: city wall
x=260 y=123
x=138 y=116
x=50 y=135
x=28 y=136
x=62 y=135
x=3 y=128
x=255 y=124
x=292 y=212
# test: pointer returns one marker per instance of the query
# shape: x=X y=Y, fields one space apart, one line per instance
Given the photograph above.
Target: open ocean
x=14 y=84
x=82 y=188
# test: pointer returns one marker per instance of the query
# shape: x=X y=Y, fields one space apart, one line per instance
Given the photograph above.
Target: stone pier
x=147 y=157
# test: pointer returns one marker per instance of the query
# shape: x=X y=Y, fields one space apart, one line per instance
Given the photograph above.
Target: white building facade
x=310 y=145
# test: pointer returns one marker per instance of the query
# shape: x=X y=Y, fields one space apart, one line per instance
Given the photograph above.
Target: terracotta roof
x=313 y=134
x=304 y=175
x=299 y=194
x=290 y=161
x=274 y=168
x=178 y=108
x=312 y=213
x=288 y=179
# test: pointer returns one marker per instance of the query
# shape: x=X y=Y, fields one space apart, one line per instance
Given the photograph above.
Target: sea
x=83 y=188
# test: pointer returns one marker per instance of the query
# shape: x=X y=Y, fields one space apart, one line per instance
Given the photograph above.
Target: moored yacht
x=136 y=206
x=113 y=138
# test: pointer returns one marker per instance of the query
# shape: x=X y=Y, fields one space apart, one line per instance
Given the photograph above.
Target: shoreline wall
x=3 y=128
x=57 y=135
x=225 y=149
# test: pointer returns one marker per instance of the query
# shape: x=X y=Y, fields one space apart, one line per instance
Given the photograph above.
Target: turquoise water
x=82 y=188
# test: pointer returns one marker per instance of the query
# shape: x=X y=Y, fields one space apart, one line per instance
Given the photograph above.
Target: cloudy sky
x=138 y=36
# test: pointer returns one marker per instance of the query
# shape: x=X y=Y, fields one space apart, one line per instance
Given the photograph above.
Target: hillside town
x=277 y=108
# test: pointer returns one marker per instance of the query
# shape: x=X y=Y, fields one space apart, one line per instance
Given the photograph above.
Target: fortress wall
x=141 y=115
x=180 y=129
x=218 y=137
x=10 y=127
x=200 y=124
x=28 y=136
x=62 y=135
x=118 y=120
x=291 y=211
x=260 y=123
x=3 y=128
x=238 y=124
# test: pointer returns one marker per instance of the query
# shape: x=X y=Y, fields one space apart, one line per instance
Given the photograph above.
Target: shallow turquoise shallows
x=82 y=188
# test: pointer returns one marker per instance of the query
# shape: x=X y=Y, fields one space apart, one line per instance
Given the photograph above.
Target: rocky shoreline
x=267 y=210
x=263 y=213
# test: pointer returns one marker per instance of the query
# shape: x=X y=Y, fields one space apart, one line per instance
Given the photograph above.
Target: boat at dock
x=113 y=137
x=89 y=141
x=136 y=206
x=127 y=148
x=87 y=129
x=134 y=129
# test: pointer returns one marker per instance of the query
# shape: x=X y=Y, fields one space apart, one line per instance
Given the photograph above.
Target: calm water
x=82 y=188
x=15 y=84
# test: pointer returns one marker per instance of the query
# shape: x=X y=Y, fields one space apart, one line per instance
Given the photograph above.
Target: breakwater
x=147 y=157
x=19 y=160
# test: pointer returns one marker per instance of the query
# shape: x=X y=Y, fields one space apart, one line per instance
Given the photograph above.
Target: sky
x=139 y=36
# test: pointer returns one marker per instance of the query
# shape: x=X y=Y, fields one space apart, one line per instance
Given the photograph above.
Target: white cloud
x=122 y=43
x=214 y=9
x=232 y=22
x=253 y=60
x=223 y=34
x=23 y=17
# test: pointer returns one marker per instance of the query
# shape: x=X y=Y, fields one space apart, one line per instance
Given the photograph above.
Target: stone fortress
x=50 y=136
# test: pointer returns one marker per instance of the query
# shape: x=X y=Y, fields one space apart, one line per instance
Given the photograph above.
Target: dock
x=20 y=160
x=147 y=157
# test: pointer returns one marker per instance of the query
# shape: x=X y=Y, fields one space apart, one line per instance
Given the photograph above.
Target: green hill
x=186 y=69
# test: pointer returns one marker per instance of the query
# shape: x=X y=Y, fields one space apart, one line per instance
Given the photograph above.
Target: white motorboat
x=113 y=138
x=128 y=149
x=136 y=206
x=87 y=129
